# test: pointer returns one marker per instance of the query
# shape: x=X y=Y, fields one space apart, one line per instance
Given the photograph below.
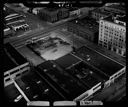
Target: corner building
x=112 y=34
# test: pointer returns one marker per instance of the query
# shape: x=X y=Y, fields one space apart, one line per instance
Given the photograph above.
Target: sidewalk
x=98 y=48
x=113 y=92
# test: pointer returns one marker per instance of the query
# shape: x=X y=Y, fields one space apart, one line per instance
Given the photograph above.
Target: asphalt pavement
x=79 y=41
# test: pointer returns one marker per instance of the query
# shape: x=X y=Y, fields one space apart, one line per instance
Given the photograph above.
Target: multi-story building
x=105 y=11
x=120 y=8
x=15 y=21
x=53 y=14
x=112 y=34
x=86 y=28
x=103 y=66
x=14 y=64
x=74 y=11
x=63 y=13
x=8 y=31
x=99 y=13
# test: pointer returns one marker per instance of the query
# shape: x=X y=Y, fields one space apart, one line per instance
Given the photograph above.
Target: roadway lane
x=78 y=41
x=41 y=27
x=22 y=39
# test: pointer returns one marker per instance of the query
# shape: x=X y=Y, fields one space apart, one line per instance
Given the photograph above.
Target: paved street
x=78 y=42
x=39 y=28
x=36 y=25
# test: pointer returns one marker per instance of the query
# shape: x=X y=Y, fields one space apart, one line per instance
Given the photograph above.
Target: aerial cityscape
x=64 y=54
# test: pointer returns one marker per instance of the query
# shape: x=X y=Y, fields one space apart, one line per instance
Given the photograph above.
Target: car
x=18 y=98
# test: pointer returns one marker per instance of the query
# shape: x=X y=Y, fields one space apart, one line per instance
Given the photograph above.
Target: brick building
x=105 y=11
x=53 y=14
x=86 y=28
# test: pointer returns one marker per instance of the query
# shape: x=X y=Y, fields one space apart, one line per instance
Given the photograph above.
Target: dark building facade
x=106 y=11
x=53 y=14
x=86 y=28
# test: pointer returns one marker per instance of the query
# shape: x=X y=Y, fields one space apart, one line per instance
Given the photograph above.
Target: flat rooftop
x=87 y=23
x=67 y=61
x=15 y=19
x=30 y=55
x=104 y=64
x=101 y=11
x=51 y=9
x=117 y=6
x=72 y=8
x=52 y=48
x=8 y=63
x=15 y=54
x=111 y=19
x=123 y=19
x=66 y=82
x=11 y=92
x=86 y=74
x=37 y=89
x=18 y=23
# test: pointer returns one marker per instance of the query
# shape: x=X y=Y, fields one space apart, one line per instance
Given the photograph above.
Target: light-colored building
x=36 y=10
x=14 y=64
x=74 y=11
x=112 y=34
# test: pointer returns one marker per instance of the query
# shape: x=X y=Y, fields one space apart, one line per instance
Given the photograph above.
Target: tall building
x=112 y=34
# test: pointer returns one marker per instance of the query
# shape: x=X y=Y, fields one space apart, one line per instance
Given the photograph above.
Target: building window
x=114 y=49
x=119 y=51
x=14 y=72
x=96 y=87
x=7 y=79
x=112 y=78
x=6 y=75
x=17 y=74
